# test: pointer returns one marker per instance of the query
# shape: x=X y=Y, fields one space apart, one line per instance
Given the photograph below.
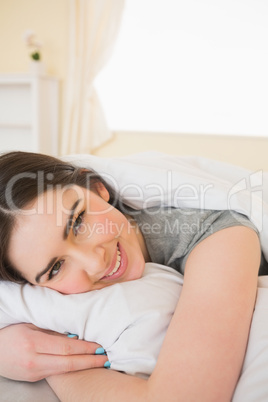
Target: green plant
x=34 y=45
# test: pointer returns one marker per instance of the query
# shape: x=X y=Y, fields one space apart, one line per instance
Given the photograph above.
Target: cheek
x=138 y=270
x=107 y=225
x=71 y=285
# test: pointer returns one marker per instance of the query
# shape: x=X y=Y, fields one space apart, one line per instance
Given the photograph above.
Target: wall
x=251 y=153
x=49 y=20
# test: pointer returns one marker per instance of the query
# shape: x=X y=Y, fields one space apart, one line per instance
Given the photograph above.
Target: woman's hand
x=29 y=353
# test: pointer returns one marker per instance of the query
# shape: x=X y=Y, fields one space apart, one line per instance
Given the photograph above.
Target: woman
x=203 y=351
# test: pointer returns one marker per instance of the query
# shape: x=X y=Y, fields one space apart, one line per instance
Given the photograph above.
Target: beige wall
x=49 y=20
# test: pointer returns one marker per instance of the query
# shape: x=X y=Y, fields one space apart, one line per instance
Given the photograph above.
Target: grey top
x=171 y=234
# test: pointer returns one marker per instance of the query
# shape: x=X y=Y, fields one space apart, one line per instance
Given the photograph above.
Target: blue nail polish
x=107 y=364
x=72 y=336
x=99 y=351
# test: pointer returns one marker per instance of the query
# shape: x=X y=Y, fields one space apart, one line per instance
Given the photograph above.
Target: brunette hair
x=20 y=174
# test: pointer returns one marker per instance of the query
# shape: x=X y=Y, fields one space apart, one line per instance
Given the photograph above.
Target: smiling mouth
x=117 y=264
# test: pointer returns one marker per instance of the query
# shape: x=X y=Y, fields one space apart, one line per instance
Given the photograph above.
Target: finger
x=48 y=331
x=55 y=345
x=54 y=365
x=72 y=336
x=98 y=351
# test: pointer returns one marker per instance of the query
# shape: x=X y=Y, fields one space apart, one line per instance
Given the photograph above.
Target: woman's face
x=73 y=241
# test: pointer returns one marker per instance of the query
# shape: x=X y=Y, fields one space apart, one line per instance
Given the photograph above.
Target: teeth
x=117 y=265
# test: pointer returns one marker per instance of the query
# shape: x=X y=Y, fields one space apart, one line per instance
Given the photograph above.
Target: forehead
x=55 y=204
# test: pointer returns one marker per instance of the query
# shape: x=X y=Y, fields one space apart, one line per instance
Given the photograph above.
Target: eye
x=55 y=269
x=78 y=222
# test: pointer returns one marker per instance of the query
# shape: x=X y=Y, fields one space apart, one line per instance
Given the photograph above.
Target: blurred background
x=115 y=77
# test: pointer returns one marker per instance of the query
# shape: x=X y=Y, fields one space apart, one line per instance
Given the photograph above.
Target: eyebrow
x=66 y=232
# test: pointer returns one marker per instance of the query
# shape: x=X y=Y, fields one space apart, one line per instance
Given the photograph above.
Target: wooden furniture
x=29 y=113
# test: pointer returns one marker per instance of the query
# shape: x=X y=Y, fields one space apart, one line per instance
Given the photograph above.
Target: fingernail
x=107 y=364
x=72 y=336
x=100 y=351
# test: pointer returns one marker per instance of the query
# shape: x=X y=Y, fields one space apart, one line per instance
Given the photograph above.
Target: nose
x=88 y=258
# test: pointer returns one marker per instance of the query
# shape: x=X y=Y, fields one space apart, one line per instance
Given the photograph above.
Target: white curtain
x=93 y=29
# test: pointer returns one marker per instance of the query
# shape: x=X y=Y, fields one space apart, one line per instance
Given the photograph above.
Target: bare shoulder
x=208 y=334
x=230 y=252
x=223 y=269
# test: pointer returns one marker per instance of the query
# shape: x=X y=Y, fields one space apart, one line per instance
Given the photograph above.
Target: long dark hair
x=20 y=174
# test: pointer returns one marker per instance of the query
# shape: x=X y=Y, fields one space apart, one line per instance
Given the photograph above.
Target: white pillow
x=106 y=318
x=128 y=319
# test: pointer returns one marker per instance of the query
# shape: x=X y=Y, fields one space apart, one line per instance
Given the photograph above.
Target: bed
x=11 y=391
x=173 y=181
